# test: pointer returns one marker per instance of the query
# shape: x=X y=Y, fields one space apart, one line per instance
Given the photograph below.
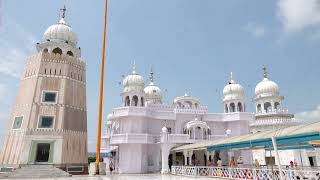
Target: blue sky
x=191 y=45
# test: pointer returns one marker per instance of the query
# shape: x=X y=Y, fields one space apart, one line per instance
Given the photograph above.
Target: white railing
x=275 y=111
x=178 y=138
x=245 y=173
x=134 y=138
x=143 y=111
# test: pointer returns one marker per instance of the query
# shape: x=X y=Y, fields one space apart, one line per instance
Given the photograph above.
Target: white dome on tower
x=152 y=92
x=266 y=87
x=233 y=91
x=61 y=32
x=133 y=82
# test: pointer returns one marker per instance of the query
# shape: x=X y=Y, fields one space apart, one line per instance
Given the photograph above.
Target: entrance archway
x=43 y=152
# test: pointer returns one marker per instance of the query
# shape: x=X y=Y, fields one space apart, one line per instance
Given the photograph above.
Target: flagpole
x=101 y=86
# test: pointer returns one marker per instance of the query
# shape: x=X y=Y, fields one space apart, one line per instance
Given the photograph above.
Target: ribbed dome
x=233 y=91
x=152 y=92
x=133 y=82
x=61 y=32
x=267 y=87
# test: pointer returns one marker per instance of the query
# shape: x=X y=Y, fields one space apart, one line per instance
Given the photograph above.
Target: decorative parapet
x=134 y=138
x=246 y=173
x=236 y=116
x=200 y=110
x=275 y=111
x=61 y=58
x=275 y=121
x=51 y=132
x=142 y=111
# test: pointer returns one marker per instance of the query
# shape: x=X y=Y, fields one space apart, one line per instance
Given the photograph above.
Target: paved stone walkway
x=125 y=177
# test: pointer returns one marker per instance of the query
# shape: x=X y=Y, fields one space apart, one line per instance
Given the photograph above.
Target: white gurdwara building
x=48 y=123
x=141 y=133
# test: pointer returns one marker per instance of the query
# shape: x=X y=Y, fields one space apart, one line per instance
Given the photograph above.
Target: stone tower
x=48 y=122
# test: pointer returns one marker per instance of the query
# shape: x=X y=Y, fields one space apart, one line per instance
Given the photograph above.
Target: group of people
x=211 y=163
x=236 y=163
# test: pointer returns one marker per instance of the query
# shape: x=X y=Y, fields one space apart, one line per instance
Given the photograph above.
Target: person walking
x=111 y=168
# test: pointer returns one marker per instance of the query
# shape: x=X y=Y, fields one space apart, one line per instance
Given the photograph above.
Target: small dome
x=186 y=98
x=61 y=32
x=197 y=123
x=233 y=91
x=267 y=87
x=133 y=82
x=109 y=116
x=152 y=92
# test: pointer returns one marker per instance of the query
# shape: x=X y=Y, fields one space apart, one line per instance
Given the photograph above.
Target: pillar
x=185 y=154
x=165 y=150
x=173 y=158
x=194 y=133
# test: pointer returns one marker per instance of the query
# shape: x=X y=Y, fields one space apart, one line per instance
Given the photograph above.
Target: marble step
x=38 y=171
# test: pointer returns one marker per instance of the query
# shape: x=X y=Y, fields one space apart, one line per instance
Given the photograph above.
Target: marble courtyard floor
x=125 y=177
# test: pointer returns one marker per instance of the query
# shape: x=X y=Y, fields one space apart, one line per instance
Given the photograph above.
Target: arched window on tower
x=259 y=108
x=277 y=105
x=267 y=107
x=240 y=109
x=189 y=104
x=232 y=107
x=127 y=101
x=135 y=100
x=70 y=53
x=57 y=51
x=45 y=50
x=142 y=101
x=226 y=109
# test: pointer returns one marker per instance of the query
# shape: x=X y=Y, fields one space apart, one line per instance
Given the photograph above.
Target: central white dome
x=61 y=32
x=267 y=87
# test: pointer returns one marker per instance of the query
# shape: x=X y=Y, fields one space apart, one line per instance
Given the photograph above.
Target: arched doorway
x=170 y=161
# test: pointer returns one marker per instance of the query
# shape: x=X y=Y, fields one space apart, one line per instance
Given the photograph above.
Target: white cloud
x=3 y=91
x=309 y=116
x=255 y=30
x=296 y=15
x=16 y=43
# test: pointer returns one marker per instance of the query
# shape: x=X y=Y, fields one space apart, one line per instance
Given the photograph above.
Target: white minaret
x=233 y=97
x=153 y=92
x=48 y=123
x=269 y=111
x=133 y=89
